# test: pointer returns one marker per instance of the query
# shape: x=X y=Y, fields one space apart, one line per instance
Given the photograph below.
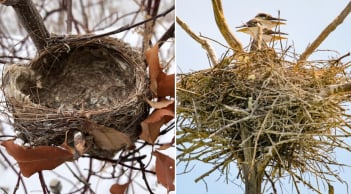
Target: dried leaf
x=155 y=68
x=118 y=189
x=108 y=138
x=161 y=84
x=166 y=85
x=160 y=104
x=151 y=125
x=165 y=170
x=32 y=160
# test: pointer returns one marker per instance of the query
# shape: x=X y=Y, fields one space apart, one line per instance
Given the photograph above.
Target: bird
x=268 y=35
x=269 y=21
x=260 y=33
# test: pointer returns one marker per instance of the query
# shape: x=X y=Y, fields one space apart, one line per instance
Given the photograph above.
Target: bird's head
x=265 y=18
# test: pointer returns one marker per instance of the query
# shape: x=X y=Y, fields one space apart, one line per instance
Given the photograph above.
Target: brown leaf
x=165 y=170
x=160 y=104
x=151 y=125
x=32 y=160
x=166 y=85
x=108 y=138
x=155 y=68
x=118 y=189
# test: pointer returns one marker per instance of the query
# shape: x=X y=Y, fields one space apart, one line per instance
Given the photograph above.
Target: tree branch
x=168 y=34
x=203 y=42
x=31 y=20
x=228 y=35
x=335 y=89
x=122 y=29
x=324 y=34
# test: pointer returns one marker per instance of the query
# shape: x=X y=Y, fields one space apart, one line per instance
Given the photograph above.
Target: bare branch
x=69 y=16
x=335 y=89
x=203 y=42
x=168 y=34
x=324 y=34
x=122 y=29
x=31 y=21
x=228 y=35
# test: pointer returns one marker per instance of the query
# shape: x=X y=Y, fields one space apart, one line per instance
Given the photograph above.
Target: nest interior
x=259 y=100
x=101 y=80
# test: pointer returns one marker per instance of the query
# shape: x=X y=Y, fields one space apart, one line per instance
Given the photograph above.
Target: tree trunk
x=252 y=169
x=253 y=177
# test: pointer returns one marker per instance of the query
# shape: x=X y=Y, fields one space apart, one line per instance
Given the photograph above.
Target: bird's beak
x=243 y=29
x=278 y=37
x=242 y=26
x=275 y=19
x=277 y=22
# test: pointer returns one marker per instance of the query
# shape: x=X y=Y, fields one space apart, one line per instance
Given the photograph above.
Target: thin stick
x=69 y=16
x=122 y=29
x=203 y=42
x=324 y=34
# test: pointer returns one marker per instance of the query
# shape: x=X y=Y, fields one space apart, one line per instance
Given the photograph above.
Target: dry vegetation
x=286 y=115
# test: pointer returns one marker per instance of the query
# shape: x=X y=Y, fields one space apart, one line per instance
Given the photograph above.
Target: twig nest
x=76 y=85
x=260 y=100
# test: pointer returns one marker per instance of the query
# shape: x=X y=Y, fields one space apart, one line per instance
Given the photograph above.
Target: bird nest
x=69 y=86
x=283 y=111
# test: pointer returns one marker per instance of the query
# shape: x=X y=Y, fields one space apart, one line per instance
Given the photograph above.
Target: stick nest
x=280 y=111
x=102 y=81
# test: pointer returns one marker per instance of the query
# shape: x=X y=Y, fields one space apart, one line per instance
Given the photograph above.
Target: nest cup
x=101 y=81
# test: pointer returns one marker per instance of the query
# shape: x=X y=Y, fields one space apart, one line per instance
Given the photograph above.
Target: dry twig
x=203 y=42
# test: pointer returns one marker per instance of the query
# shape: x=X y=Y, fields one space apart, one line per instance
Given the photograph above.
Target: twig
x=119 y=30
x=31 y=20
x=42 y=183
x=168 y=34
x=324 y=34
x=69 y=16
x=216 y=167
x=228 y=35
x=142 y=167
x=234 y=123
x=203 y=42
x=18 y=173
x=87 y=187
x=151 y=9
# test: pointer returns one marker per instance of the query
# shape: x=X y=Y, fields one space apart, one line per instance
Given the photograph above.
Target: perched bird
x=252 y=27
x=268 y=21
x=260 y=33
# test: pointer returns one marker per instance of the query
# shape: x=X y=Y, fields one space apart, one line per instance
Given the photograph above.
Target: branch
x=203 y=42
x=228 y=35
x=335 y=89
x=31 y=20
x=168 y=34
x=151 y=9
x=69 y=16
x=324 y=34
x=122 y=29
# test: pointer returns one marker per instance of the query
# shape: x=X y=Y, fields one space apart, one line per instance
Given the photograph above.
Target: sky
x=306 y=19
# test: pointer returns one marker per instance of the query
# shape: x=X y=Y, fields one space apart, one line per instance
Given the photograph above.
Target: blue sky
x=306 y=19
